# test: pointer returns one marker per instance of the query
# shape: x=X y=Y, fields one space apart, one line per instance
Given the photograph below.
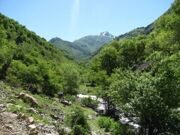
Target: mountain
x=92 y=43
x=29 y=61
x=84 y=47
x=70 y=49
x=136 y=79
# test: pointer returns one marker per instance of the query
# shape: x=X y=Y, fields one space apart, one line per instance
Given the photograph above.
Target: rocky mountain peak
x=107 y=34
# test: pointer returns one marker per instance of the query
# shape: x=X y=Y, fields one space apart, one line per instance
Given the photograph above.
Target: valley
x=95 y=85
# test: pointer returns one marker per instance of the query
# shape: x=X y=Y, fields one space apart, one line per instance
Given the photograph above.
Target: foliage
x=83 y=48
x=110 y=125
x=78 y=130
x=142 y=75
x=29 y=61
x=77 y=121
x=138 y=74
x=70 y=79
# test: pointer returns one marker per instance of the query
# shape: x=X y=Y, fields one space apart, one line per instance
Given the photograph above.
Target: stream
x=102 y=107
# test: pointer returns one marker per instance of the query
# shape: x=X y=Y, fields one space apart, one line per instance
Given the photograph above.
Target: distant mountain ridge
x=84 y=47
x=90 y=45
x=137 y=32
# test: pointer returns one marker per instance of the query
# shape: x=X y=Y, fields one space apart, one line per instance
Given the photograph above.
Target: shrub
x=78 y=130
x=105 y=122
x=110 y=125
x=77 y=120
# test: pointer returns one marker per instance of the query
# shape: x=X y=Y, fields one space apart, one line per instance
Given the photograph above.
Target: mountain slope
x=92 y=43
x=137 y=32
x=28 y=60
x=70 y=48
x=84 y=47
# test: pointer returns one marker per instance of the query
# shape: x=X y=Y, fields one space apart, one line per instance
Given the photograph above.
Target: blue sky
x=72 y=19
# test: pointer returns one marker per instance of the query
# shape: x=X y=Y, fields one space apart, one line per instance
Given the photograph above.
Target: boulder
x=29 y=99
x=30 y=120
x=32 y=127
x=32 y=110
x=65 y=102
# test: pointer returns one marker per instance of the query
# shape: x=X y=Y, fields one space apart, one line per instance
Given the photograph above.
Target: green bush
x=78 y=130
x=105 y=122
x=110 y=125
x=116 y=128
x=77 y=120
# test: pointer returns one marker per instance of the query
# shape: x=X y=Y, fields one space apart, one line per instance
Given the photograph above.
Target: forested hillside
x=71 y=49
x=83 y=48
x=141 y=75
x=30 y=61
x=130 y=86
x=137 y=32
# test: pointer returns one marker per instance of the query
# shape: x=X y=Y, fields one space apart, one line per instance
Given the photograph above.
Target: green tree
x=108 y=59
x=70 y=79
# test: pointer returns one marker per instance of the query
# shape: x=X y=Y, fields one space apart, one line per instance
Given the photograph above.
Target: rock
x=2 y=106
x=29 y=99
x=65 y=102
x=67 y=130
x=21 y=116
x=54 y=116
x=30 y=120
x=13 y=115
x=32 y=110
x=33 y=132
x=42 y=115
x=32 y=127
x=9 y=127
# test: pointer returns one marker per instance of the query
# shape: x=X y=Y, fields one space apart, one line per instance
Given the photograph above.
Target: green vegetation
x=143 y=75
x=29 y=61
x=138 y=73
x=83 y=48
x=50 y=111
x=70 y=49
x=78 y=121
x=137 y=32
x=113 y=127
x=109 y=125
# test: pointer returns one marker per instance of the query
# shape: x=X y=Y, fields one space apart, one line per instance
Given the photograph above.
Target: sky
x=73 y=19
